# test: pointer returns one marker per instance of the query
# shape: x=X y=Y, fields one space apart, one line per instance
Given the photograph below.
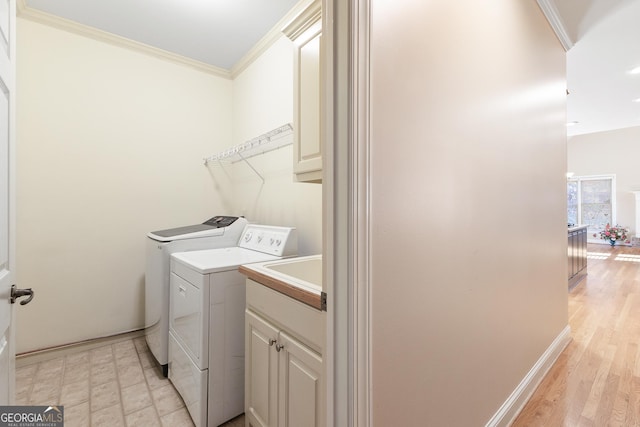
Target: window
x=591 y=201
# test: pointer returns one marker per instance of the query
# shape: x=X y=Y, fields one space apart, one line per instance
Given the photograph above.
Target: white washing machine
x=217 y=232
x=206 y=332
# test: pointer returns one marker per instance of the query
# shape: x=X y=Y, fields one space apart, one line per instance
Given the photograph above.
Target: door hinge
x=323 y=301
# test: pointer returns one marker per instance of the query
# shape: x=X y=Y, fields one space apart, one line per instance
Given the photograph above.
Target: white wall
x=468 y=206
x=613 y=152
x=110 y=146
x=263 y=101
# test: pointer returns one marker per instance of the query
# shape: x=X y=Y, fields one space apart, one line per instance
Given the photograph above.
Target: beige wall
x=612 y=152
x=263 y=101
x=110 y=146
x=468 y=163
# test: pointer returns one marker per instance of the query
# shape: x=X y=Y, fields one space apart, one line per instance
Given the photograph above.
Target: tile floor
x=117 y=384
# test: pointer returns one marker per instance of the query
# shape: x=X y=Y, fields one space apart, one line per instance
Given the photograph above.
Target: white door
x=7 y=197
x=299 y=389
x=261 y=372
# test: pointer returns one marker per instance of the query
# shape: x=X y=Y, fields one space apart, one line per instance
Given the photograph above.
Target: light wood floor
x=596 y=380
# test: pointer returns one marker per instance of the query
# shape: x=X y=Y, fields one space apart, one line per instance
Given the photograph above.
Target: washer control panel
x=270 y=239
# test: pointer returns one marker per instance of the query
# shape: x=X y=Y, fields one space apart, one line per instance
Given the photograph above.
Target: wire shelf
x=269 y=141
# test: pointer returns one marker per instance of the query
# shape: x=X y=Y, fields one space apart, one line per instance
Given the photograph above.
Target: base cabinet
x=283 y=377
x=577 y=254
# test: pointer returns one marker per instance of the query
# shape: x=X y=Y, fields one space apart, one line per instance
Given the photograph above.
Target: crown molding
x=269 y=39
x=555 y=20
x=258 y=49
x=34 y=15
x=301 y=23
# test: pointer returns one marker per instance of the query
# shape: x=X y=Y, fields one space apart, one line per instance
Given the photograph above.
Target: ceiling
x=604 y=33
x=215 y=32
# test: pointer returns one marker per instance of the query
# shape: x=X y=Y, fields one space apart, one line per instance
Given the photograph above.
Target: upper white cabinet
x=306 y=33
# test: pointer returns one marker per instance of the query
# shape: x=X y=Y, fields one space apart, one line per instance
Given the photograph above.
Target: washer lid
x=222 y=259
x=181 y=232
x=212 y=227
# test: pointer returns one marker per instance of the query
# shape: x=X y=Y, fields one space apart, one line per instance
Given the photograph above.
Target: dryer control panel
x=279 y=241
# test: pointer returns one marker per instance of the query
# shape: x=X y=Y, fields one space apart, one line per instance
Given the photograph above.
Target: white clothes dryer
x=206 y=331
x=217 y=232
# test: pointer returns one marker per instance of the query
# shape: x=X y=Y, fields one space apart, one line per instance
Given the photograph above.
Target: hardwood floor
x=596 y=380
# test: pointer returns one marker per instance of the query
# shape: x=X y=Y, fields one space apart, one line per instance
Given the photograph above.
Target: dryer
x=217 y=232
x=206 y=334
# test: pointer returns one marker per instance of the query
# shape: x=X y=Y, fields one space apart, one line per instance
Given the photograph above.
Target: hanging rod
x=261 y=144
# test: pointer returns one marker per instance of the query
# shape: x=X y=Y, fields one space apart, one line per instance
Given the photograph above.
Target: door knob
x=19 y=293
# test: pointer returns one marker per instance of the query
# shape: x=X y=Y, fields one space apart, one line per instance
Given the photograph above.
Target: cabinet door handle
x=271 y=342
x=279 y=347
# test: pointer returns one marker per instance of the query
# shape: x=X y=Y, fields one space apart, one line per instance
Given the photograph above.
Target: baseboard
x=521 y=395
x=42 y=355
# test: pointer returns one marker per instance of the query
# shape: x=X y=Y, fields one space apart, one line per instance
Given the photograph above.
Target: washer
x=206 y=332
x=217 y=232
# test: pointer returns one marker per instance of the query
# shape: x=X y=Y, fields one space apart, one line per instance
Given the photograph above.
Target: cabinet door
x=301 y=396
x=307 y=151
x=261 y=372
x=582 y=248
x=305 y=32
x=571 y=254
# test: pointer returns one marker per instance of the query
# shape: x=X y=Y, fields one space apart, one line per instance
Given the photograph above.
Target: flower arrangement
x=613 y=234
